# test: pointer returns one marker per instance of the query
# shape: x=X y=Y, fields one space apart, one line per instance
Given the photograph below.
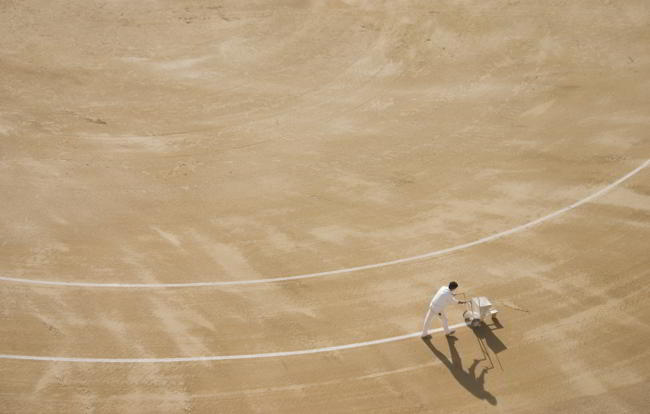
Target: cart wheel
x=466 y=316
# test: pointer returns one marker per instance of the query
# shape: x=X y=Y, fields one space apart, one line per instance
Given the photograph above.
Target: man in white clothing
x=444 y=297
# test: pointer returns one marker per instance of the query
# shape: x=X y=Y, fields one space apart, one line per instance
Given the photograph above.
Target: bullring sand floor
x=246 y=206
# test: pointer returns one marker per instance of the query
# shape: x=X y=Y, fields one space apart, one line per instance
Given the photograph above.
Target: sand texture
x=159 y=142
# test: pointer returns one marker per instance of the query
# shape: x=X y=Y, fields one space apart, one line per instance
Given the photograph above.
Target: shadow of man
x=468 y=379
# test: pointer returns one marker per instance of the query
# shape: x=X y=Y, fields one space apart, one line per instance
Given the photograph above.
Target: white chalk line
x=225 y=357
x=345 y=270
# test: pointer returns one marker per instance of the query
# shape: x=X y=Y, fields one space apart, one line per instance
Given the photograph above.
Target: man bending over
x=442 y=298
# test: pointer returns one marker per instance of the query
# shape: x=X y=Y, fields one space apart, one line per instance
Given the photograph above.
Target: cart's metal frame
x=478 y=309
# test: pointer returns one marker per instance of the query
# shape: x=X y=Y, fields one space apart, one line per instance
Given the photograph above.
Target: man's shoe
x=425 y=336
x=450 y=333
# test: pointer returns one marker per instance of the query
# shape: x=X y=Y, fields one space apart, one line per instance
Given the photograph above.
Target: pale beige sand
x=196 y=141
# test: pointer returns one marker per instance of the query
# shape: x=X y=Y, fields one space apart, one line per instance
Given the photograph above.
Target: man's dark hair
x=453 y=285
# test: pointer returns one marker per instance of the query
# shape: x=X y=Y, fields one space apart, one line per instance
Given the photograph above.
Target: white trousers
x=427 y=320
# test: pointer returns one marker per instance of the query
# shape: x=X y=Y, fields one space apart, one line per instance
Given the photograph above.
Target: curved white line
x=224 y=357
x=349 y=269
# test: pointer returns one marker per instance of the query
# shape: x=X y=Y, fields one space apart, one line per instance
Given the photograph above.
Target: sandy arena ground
x=148 y=143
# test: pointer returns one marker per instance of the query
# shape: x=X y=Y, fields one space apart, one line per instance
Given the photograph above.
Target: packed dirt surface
x=149 y=143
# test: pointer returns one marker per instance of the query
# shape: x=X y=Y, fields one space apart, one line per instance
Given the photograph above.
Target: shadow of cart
x=488 y=341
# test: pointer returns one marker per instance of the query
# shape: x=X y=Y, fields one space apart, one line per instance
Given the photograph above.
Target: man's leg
x=427 y=323
x=445 y=324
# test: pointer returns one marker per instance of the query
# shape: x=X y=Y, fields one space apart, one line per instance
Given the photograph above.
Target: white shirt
x=441 y=299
